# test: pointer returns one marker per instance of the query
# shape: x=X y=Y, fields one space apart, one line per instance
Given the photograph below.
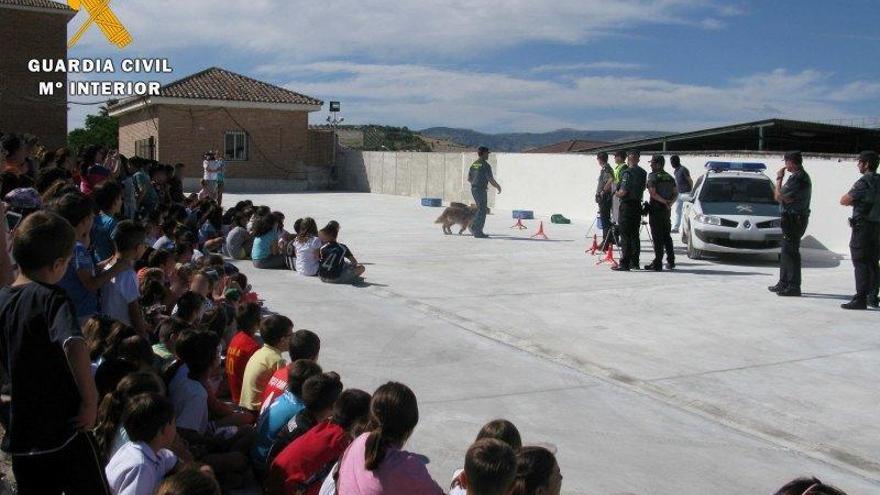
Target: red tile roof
x=37 y=4
x=221 y=84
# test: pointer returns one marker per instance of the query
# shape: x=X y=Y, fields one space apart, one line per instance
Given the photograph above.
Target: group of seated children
x=258 y=234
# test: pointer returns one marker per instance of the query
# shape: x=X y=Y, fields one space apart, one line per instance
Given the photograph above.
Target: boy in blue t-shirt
x=108 y=198
x=46 y=361
x=80 y=281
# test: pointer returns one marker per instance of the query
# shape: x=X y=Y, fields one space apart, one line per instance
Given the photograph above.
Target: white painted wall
x=566 y=183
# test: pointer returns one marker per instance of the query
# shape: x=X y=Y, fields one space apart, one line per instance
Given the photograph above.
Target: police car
x=731 y=210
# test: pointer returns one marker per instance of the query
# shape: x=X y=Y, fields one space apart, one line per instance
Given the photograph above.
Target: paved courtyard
x=696 y=381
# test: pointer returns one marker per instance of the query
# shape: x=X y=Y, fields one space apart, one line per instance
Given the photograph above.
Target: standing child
x=338 y=264
x=141 y=464
x=44 y=357
x=120 y=300
x=80 y=281
x=108 y=197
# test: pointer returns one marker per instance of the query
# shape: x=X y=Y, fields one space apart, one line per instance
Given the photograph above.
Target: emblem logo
x=101 y=14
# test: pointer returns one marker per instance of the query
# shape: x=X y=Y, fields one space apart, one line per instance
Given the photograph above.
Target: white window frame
x=236 y=136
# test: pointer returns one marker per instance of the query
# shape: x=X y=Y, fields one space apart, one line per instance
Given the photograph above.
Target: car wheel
x=692 y=252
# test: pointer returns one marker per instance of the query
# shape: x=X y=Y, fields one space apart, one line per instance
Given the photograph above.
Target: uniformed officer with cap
x=616 y=172
x=794 y=202
x=480 y=176
x=864 y=244
x=630 y=191
x=604 y=193
x=661 y=189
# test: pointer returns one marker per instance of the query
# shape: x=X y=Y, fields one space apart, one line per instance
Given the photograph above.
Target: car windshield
x=737 y=190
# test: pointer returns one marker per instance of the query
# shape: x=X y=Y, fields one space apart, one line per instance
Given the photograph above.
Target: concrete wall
x=566 y=183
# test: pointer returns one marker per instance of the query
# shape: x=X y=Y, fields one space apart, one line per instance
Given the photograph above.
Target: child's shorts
x=348 y=276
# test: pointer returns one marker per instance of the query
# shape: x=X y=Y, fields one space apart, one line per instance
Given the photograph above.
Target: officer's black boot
x=657 y=267
x=856 y=303
x=789 y=291
x=873 y=301
x=776 y=288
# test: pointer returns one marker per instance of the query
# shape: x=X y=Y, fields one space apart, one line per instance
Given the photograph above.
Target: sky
x=526 y=65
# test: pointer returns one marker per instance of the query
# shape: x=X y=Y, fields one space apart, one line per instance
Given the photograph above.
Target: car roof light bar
x=735 y=166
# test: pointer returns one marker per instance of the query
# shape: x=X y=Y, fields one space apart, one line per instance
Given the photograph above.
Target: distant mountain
x=520 y=141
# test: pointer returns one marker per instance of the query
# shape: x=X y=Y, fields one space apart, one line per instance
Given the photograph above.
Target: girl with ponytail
x=374 y=463
x=109 y=431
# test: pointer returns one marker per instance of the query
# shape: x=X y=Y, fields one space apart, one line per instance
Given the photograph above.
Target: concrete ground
x=688 y=382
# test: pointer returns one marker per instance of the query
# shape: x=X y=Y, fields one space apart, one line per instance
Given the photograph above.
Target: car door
x=689 y=210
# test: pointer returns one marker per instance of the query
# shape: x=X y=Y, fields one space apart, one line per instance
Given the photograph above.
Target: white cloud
x=385 y=29
x=592 y=66
x=422 y=96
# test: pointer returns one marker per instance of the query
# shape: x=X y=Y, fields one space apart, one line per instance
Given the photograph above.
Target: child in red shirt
x=302 y=466
x=242 y=346
x=304 y=344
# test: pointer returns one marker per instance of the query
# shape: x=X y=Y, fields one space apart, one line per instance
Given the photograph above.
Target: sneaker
x=789 y=292
x=657 y=267
x=620 y=268
x=776 y=288
x=855 y=304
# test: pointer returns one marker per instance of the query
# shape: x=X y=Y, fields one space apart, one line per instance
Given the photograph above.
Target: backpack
x=558 y=218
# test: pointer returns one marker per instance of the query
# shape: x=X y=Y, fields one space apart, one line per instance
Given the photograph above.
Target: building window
x=236 y=145
x=145 y=148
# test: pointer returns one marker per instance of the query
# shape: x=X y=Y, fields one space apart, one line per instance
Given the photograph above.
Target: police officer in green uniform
x=480 y=176
x=794 y=202
x=630 y=191
x=864 y=244
x=616 y=172
x=604 y=194
x=661 y=189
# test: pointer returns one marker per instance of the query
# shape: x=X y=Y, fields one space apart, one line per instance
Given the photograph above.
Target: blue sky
x=528 y=65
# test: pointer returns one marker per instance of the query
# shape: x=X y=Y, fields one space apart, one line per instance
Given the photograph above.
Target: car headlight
x=708 y=220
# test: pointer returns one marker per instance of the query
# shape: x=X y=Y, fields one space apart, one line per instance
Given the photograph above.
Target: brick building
x=33 y=29
x=262 y=129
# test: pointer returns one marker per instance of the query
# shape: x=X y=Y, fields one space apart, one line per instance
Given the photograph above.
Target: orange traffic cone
x=595 y=247
x=540 y=233
x=609 y=257
x=519 y=225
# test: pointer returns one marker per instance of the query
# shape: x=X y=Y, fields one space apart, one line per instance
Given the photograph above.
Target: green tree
x=101 y=129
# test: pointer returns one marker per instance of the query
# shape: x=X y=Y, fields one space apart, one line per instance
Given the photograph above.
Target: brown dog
x=457 y=213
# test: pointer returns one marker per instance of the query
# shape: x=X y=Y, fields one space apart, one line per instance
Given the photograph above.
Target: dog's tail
x=441 y=218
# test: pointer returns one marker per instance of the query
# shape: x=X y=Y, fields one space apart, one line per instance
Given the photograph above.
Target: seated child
x=109 y=432
x=319 y=393
x=276 y=331
x=338 y=264
x=304 y=344
x=242 y=347
x=498 y=429
x=489 y=468
x=303 y=464
x=238 y=240
x=284 y=409
x=190 y=481
x=141 y=464
x=306 y=245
